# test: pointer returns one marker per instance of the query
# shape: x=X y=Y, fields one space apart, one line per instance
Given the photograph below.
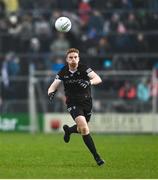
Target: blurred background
x=117 y=38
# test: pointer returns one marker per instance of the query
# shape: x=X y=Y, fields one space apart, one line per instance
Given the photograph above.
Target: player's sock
x=73 y=129
x=91 y=146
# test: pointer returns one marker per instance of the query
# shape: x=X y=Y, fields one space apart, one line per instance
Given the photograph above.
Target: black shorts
x=83 y=108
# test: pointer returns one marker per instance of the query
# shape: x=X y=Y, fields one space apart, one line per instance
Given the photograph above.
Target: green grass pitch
x=47 y=156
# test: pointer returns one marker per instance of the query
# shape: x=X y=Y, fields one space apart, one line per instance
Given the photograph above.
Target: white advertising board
x=108 y=123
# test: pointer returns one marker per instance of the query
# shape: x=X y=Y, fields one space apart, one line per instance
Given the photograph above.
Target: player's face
x=72 y=59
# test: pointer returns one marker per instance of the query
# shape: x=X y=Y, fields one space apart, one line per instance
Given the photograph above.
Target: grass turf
x=47 y=156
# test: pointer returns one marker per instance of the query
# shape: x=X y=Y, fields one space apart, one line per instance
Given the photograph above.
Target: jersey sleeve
x=60 y=74
x=87 y=69
x=58 y=77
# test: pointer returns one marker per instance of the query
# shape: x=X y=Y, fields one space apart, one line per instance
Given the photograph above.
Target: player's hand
x=84 y=84
x=51 y=95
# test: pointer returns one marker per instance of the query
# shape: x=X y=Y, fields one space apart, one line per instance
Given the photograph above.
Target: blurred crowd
x=111 y=35
x=100 y=29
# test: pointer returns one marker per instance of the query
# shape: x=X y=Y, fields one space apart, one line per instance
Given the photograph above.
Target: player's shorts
x=83 y=108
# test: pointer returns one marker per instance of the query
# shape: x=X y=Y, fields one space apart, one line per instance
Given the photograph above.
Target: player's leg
x=84 y=130
x=74 y=111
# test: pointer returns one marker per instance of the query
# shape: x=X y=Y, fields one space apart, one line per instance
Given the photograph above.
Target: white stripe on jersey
x=88 y=70
x=57 y=77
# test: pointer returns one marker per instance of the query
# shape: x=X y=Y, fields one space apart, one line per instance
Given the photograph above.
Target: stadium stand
x=111 y=34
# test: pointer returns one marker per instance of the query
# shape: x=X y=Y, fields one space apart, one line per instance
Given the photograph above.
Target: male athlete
x=77 y=80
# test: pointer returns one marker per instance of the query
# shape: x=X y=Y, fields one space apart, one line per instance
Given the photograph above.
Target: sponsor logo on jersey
x=72 y=81
x=66 y=77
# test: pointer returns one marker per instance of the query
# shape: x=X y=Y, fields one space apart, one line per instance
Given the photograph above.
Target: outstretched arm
x=54 y=86
x=94 y=78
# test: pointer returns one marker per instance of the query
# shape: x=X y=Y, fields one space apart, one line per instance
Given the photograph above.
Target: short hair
x=71 y=50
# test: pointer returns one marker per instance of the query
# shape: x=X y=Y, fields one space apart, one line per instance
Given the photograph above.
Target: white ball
x=63 y=24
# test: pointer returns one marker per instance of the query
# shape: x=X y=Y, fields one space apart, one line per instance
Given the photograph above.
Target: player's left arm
x=94 y=78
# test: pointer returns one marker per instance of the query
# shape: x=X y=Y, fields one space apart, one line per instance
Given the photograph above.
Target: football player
x=77 y=79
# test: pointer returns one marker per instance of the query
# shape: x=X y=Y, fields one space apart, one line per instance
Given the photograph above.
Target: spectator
x=132 y=23
x=121 y=40
x=12 y=6
x=43 y=32
x=103 y=46
x=26 y=32
x=36 y=59
x=141 y=43
x=59 y=46
x=115 y=18
x=10 y=69
x=84 y=10
x=14 y=31
x=143 y=90
x=127 y=91
x=95 y=24
x=35 y=45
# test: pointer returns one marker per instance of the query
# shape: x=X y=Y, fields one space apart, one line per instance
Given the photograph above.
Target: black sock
x=90 y=144
x=73 y=129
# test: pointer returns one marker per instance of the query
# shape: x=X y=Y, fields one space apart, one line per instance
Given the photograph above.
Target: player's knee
x=82 y=126
x=84 y=130
x=78 y=129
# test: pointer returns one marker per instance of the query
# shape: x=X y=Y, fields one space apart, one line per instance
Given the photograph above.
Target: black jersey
x=73 y=91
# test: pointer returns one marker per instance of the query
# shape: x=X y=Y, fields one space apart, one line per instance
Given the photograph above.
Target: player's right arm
x=53 y=88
